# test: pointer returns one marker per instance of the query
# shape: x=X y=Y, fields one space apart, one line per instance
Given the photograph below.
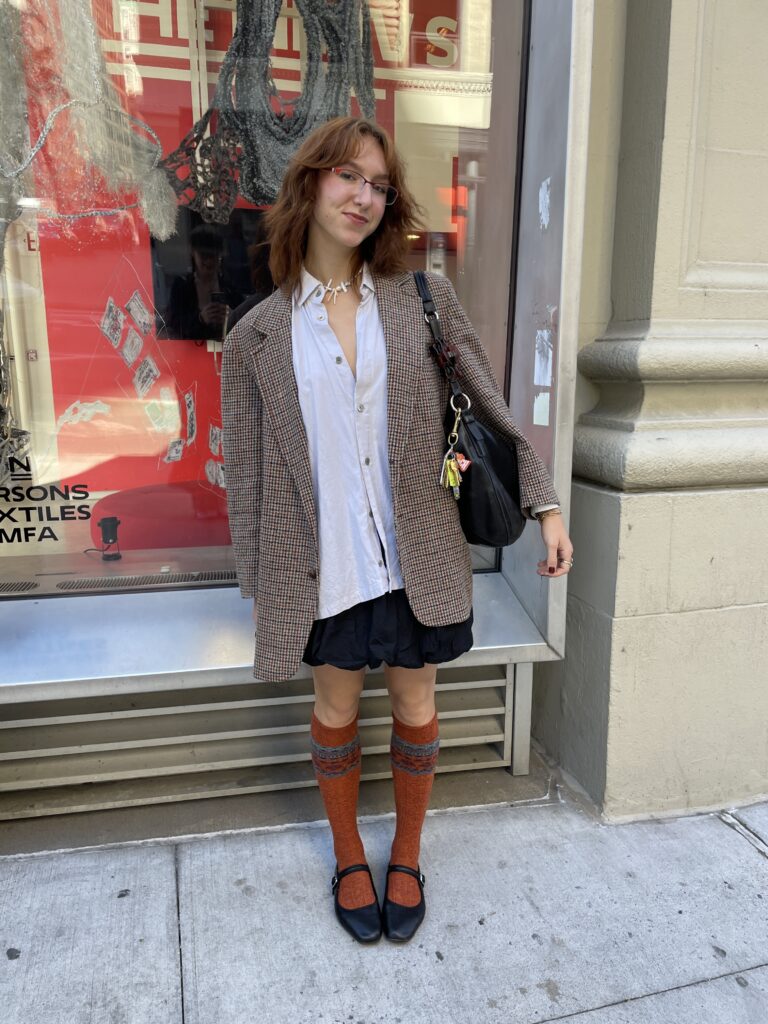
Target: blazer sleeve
x=487 y=399
x=241 y=416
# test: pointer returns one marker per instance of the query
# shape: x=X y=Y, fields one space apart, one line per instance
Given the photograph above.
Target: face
x=206 y=261
x=344 y=214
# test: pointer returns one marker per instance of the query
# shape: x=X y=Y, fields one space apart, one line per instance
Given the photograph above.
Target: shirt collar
x=308 y=284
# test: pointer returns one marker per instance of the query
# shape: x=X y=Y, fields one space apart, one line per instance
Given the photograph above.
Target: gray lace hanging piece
x=250 y=143
x=13 y=121
x=14 y=442
x=208 y=165
x=99 y=129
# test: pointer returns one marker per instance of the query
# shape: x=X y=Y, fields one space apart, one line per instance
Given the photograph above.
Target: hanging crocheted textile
x=13 y=440
x=250 y=141
x=12 y=111
x=91 y=156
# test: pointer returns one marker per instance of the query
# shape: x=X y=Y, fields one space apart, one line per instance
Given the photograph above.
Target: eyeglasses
x=356 y=180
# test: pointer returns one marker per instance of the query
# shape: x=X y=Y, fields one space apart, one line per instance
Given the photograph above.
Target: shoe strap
x=407 y=871
x=347 y=871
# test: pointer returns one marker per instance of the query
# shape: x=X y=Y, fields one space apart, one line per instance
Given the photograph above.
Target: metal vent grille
x=128 y=749
x=151 y=579
x=17 y=586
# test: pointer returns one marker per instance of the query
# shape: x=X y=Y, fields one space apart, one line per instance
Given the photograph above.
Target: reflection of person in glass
x=353 y=552
x=261 y=279
x=200 y=302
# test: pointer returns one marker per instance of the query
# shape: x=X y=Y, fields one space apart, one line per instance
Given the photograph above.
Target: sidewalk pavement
x=536 y=912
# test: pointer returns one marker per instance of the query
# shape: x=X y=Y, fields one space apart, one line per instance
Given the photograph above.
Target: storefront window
x=111 y=467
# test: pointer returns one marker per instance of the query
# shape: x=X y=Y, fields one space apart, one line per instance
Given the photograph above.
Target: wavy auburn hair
x=287 y=222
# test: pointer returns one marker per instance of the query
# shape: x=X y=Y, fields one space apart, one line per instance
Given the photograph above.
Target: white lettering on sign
x=392 y=32
x=124 y=11
x=437 y=29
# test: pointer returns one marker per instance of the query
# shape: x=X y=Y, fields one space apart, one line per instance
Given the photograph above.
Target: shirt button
x=371 y=514
x=320 y=316
x=367 y=461
x=338 y=359
x=380 y=562
x=312 y=573
x=360 y=407
x=318 y=293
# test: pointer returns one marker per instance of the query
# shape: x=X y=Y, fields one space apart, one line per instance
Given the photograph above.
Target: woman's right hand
x=214 y=314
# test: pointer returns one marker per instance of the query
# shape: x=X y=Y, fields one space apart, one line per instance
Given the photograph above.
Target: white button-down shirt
x=345 y=418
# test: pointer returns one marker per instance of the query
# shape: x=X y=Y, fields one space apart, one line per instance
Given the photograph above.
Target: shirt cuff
x=542 y=508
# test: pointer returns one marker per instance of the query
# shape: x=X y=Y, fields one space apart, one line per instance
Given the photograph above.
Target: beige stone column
x=661 y=703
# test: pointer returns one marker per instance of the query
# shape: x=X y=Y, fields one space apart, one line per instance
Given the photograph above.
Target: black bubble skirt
x=384 y=629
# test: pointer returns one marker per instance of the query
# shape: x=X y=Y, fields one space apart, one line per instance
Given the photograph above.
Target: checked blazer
x=269 y=479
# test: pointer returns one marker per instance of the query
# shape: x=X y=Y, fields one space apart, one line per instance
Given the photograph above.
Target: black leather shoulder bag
x=480 y=467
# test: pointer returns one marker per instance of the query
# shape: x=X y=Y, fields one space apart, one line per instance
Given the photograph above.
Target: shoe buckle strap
x=407 y=871
x=348 y=870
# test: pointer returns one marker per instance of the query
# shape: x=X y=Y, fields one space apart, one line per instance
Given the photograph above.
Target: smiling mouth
x=356 y=219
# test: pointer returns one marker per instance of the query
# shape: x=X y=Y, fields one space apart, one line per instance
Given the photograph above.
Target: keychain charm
x=450 y=475
x=463 y=461
x=454 y=463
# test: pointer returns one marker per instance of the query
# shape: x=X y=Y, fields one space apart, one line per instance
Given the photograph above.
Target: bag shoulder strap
x=444 y=354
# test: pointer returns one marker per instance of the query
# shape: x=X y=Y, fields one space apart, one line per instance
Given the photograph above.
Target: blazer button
x=312 y=574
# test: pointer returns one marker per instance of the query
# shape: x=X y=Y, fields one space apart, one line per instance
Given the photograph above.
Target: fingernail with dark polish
x=551 y=569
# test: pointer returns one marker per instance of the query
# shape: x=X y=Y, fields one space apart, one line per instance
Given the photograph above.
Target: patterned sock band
x=414 y=748
x=335 y=752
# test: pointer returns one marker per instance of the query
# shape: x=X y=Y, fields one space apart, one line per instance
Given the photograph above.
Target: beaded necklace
x=342 y=287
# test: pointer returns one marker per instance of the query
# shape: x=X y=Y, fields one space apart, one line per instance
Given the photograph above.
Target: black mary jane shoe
x=363 y=923
x=399 y=922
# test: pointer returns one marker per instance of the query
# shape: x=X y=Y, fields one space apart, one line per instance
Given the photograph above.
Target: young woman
x=333 y=442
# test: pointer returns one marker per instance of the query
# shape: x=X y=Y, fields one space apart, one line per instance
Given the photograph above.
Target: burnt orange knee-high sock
x=336 y=760
x=413 y=754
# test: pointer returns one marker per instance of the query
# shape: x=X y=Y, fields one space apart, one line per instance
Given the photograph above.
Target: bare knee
x=412 y=694
x=337 y=694
x=413 y=712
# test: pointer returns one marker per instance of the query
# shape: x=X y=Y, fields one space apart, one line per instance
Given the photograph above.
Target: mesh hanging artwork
x=89 y=151
x=90 y=157
x=250 y=142
x=13 y=440
x=12 y=117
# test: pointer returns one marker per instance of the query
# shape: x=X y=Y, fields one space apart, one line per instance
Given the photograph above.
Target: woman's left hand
x=559 y=547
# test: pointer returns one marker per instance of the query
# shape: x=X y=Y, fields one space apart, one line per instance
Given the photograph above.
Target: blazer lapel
x=401 y=315
x=272 y=355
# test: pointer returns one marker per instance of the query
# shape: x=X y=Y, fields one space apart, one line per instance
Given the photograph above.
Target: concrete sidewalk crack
x=646 y=995
x=743 y=829
x=178 y=927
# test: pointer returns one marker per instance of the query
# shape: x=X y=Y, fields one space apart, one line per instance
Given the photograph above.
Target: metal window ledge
x=78 y=646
